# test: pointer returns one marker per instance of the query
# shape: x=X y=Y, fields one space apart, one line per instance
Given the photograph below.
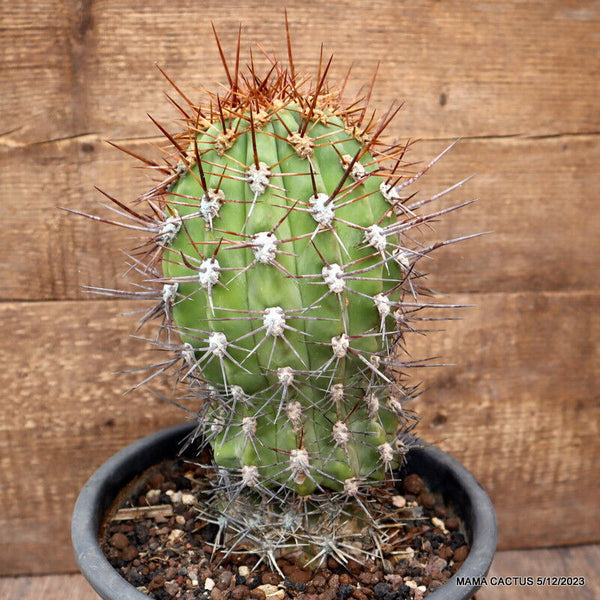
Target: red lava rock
x=461 y=553
x=270 y=578
x=157 y=582
x=445 y=552
x=240 y=592
x=319 y=581
x=440 y=512
x=119 y=541
x=413 y=484
x=455 y=567
x=298 y=575
x=328 y=594
x=354 y=567
x=437 y=575
x=129 y=553
x=370 y=566
x=427 y=499
x=258 y=594
x=155 y=481
x=359 y=594
x=284 y=565
x=452 y=524
x=217 y=594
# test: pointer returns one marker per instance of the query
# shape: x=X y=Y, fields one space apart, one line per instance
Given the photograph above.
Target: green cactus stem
x=283 y=261
x=281 y=255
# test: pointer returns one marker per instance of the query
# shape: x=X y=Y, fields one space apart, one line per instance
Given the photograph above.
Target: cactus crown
x=281 y=250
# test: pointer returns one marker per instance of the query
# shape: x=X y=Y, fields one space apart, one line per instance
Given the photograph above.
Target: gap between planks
x=10 y=143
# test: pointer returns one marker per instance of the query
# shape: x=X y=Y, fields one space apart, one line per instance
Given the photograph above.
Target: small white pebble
x=244 y=571
x=188 y=499
x=422 y=588
x=438 y=523
x=399 y=501
x=180 y=520
x=411 y=584
x=174 y=497
x=153 y=496
x=175 y=536
x=272 y=591
x=209 y=584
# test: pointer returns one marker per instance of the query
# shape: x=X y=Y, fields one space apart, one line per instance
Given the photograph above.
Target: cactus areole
x=281 y=252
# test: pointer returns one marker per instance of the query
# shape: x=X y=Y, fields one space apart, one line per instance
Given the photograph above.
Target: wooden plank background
x=518 y=81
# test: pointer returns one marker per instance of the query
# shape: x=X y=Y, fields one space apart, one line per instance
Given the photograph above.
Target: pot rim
x=102 y=487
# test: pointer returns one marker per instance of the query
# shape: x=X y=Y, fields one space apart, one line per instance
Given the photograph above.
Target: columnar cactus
x=282 y=250
x=286 y=260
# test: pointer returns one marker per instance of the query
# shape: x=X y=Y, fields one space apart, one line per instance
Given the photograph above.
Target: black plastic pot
x=443 y=474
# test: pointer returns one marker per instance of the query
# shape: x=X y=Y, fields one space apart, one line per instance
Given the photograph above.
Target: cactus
x=282 y=256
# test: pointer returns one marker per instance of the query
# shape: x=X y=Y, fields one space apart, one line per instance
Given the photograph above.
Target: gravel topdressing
x=158 y=543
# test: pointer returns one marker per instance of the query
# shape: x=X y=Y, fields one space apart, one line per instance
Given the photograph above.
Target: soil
x=157 y=541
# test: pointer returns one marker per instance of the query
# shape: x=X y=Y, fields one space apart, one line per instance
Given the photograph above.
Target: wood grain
x=513 y=409
x=578 y=561
x=40 y=77
x=537 y=197
x=464 y=68
x=48 y=587
x=521 y=410
x=63 y=414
